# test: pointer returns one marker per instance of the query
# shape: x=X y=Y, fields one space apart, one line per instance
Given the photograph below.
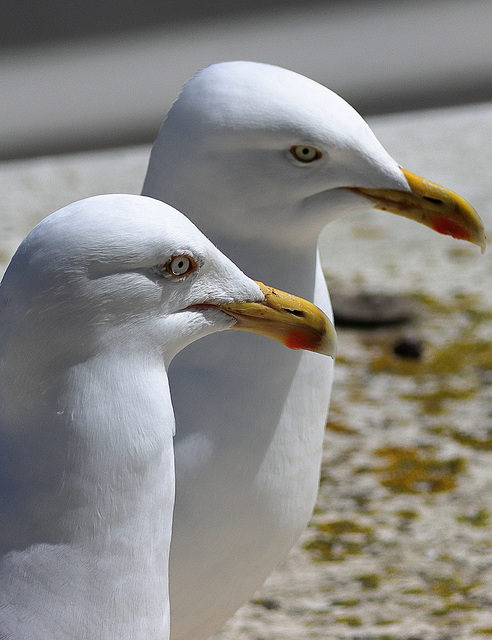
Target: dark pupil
x=305 y=151
x=179 y=267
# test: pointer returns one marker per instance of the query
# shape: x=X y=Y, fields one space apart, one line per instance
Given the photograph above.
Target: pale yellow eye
x=180 y=266
x=305 y=153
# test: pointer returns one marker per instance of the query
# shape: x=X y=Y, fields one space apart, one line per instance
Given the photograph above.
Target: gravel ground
x=400 y=543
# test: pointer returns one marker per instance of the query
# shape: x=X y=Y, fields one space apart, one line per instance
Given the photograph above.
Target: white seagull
x=96 y=302
x=261 y=159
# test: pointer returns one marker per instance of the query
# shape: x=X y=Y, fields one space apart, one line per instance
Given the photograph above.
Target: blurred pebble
x=268 y=603
x=369 y=310
x=409 y=347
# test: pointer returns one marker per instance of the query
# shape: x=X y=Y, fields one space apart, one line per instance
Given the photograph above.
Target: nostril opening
x=434 y=200
x=296 y=312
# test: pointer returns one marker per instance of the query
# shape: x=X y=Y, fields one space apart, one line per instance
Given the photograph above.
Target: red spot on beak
x=301 y=340
x=449 y=228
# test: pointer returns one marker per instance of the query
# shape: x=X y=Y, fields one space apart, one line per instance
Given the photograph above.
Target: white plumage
x=261 y=159
x=95 y=304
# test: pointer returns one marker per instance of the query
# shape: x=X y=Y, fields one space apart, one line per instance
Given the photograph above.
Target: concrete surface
x=400 y=545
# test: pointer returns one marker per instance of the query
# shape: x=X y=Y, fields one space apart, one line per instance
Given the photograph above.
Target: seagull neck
x=103 y=449
x=291 y=269
x=94 y=493
x=120 y=469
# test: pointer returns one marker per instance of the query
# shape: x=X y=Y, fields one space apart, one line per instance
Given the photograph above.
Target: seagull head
x=273 y=154
x=130 y=274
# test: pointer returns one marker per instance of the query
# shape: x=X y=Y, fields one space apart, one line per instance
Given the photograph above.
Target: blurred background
x=78 y=76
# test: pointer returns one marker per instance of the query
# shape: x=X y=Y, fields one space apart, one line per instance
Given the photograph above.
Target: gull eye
x=305 y=153
x=180 y=266
x=176 y=267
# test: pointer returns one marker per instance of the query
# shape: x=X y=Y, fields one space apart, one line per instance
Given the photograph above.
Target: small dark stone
x=369 y=310
x=268 y=603
x=409 y=347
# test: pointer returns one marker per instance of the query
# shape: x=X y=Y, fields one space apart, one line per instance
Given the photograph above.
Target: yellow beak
x=295 y=322
x=432 y=205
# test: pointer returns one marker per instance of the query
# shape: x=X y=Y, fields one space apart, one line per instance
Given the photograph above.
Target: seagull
x=261 y=159
x=94 y=305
